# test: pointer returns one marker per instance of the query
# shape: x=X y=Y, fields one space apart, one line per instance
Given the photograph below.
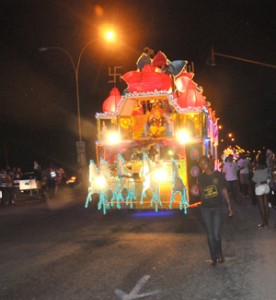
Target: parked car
x=27 y=184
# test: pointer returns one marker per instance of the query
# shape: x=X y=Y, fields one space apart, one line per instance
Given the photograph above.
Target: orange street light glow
x=110 y=35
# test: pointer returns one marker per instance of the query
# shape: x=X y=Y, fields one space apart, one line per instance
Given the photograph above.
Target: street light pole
x=76 y=75
x=81 y=152
x=109 y=35
x=77 y=86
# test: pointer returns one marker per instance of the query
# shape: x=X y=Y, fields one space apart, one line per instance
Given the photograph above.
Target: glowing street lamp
x=108 y=36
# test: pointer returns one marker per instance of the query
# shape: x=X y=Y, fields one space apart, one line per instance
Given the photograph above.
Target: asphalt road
x=57 y=249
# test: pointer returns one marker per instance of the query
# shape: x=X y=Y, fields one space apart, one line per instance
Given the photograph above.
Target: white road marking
x=134 y=293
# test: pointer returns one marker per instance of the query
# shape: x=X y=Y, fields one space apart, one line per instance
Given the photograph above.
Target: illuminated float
x=150 y=137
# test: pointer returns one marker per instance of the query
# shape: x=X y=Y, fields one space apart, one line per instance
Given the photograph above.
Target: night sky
x=38 y=112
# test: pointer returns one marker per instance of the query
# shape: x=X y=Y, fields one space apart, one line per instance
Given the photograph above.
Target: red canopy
x=148 y=80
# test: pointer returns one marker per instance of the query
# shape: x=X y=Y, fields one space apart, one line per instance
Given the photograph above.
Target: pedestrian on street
x=213 y=189
x=9 y=188
x=245 y=166
x=51 y=181
x=261 y=177
x=230 y=170
x=16 y=178
x=38 y=178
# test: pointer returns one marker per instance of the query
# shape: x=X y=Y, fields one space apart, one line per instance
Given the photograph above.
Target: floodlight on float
x=101 y=182
x=160 y=174
x=113 y=138
x=183 y=136
x=171 y=153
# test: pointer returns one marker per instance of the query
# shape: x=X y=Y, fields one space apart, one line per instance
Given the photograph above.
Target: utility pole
x=214 y=54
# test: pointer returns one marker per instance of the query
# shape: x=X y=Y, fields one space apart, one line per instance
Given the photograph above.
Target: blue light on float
x=153 y=214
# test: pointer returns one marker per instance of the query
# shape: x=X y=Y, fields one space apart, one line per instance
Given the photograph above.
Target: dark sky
x=38 y=112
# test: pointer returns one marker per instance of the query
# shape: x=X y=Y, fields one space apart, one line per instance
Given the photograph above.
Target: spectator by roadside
x=3 y=187
x=230 y=170
x=261 y=178
x=9 y=182
x=51 y=181
x=245 y=166
x=16 y=177
x=38 y=178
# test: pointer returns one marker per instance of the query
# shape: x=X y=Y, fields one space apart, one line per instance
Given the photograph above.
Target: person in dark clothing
x=213 y=189
x=38 y=178
x=9 y=188
x=51 y=181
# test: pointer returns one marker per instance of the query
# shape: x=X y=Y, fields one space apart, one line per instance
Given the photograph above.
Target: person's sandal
x=213 y=263
x=220 y=260
x=261 y=225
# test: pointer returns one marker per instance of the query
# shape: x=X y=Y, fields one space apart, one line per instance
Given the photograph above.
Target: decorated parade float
x=150 y=137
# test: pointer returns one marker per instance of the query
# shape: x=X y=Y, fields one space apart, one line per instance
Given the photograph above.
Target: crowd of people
x=49 y=181
x=242 y=177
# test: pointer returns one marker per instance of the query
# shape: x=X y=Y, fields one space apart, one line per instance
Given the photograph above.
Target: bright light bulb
x=101 y=181
x=160 y=175
x=113 y=138
x=183 y=136
x=110 y=35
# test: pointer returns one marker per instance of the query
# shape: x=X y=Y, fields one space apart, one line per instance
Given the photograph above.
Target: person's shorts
x=262 y=189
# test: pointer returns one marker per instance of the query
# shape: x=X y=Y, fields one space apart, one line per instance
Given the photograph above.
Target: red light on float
x=195 y=190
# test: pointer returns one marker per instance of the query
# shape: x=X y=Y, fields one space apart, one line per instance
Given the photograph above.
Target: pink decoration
x=110 y=103
x=200 y=99
x=183 y=83
x=189 y=94
x=186 y=74
x=159 y=60
x=191 y=98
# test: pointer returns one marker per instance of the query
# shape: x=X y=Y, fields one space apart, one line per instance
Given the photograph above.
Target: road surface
x=57 y=249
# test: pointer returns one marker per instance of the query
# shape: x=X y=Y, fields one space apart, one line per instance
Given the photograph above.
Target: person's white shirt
x=244 y=165
x=230 y=169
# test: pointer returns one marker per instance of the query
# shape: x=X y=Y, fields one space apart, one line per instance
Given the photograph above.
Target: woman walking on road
x=261 y=176
x=213 y=189
x=230 y=170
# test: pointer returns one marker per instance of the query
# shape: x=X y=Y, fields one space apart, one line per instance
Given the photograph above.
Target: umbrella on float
x=177 y=66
